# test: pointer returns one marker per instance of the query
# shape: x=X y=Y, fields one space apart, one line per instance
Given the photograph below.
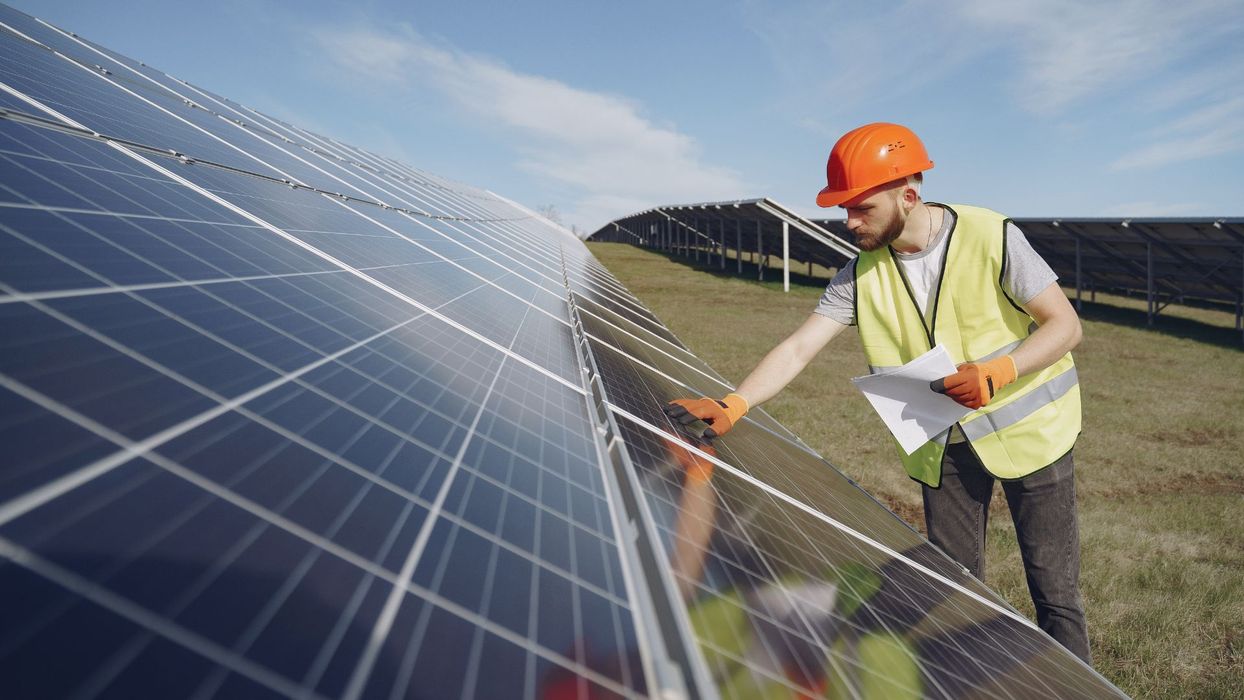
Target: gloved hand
x=975 y=384
x=720 y=414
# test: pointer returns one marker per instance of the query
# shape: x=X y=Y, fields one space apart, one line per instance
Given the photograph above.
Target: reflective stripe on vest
x=1022 y=407
x=1031 y=422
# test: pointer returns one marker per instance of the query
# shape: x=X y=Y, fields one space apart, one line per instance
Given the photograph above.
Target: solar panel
x=285 y=418
x=752 y=228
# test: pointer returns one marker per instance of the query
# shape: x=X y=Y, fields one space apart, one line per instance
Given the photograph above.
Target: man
x=965 y=278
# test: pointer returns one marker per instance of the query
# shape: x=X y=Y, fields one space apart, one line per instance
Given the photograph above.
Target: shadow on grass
x=1191 y=329
x=750 y=271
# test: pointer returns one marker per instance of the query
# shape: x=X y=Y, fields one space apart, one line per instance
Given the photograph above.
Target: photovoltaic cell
x=286 y=418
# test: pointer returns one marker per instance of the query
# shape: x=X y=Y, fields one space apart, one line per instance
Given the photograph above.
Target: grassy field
x=1160 y=464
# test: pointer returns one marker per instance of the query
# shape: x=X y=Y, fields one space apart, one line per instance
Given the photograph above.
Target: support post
x=738 y=246
x=722 y=250
x=785 y=256
x=760 y=252
x=695 y=225
x=1149 y=282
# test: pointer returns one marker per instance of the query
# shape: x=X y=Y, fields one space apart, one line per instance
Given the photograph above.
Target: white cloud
x=839 y=56
x=1211 y=131
x=1051 y=53
x=1070 y=50
x=601 y=145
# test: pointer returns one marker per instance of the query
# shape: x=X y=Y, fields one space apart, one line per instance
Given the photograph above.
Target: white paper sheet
x=912 y=411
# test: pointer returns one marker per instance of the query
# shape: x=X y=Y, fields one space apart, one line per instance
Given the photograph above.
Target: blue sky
x=1031 y=107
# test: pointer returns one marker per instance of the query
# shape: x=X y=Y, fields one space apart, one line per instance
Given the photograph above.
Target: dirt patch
x=1199 y=437
x=1210 y=483
x=1196 y=437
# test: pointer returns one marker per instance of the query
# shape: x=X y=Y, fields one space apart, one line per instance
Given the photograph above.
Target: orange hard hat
x=871 y=155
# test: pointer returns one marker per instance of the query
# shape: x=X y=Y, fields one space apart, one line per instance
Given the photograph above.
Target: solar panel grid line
x=719 y=385
x=629 y=579
x=289 y=178
x=118 y=77
x=380 y=633
x=772 y=574
x=363 y=158
x=500 y=288
x=606 y=283
x=226 y=343
x=463 y=215
x=652 y=399
x=119 y=605
x=632 y=305
x=130 y=449
x=147 y=148
x=697 y=370
x=109 y=57
x=238 y=155
x=460 y=522
x=661 y=663
x=772 y=676
x=828 y=520
x=682 y=356
x=926 y=662
x=603 y=300
x=654 y=671
x=341 y=264
x=814 y=546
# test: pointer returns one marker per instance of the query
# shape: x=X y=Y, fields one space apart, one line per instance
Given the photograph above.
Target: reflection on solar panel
x=284 y=418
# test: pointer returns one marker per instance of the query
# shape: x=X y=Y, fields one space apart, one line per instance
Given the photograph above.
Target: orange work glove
x=720 y=414
x=975 y=384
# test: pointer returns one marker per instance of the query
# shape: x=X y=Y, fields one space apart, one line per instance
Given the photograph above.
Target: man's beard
x=871 y=241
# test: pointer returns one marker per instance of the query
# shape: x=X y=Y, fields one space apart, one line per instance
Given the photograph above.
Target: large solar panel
x=285 y=418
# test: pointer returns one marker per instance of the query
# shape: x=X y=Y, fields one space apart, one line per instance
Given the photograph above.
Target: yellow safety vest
x=1031 y=422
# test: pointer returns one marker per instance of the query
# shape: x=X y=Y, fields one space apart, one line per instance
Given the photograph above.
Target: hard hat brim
x=829 y=197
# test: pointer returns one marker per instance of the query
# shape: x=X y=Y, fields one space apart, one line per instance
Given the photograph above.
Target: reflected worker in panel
x=767 y=631
x=965 y=278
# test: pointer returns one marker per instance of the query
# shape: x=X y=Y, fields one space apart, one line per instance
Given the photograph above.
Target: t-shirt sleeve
x=838 y=301
x=1026 y=274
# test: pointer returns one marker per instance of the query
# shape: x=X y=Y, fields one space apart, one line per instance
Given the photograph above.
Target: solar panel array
x=753 y=228
x=1168 y=260
x=285 y=418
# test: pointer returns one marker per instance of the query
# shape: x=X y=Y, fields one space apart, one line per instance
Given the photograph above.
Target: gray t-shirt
x=1026 y=274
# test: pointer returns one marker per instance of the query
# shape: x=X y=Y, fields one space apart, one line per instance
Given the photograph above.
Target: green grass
x=1160 y=469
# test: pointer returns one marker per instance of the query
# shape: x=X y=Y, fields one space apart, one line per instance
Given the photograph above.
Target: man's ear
x=908 y=198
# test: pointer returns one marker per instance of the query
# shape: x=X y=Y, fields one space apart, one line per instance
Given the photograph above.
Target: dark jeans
x=1043 y=507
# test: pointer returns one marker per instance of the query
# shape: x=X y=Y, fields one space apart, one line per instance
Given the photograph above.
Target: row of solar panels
x=1169 y=260
x=285 y=418
x=746 y=230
